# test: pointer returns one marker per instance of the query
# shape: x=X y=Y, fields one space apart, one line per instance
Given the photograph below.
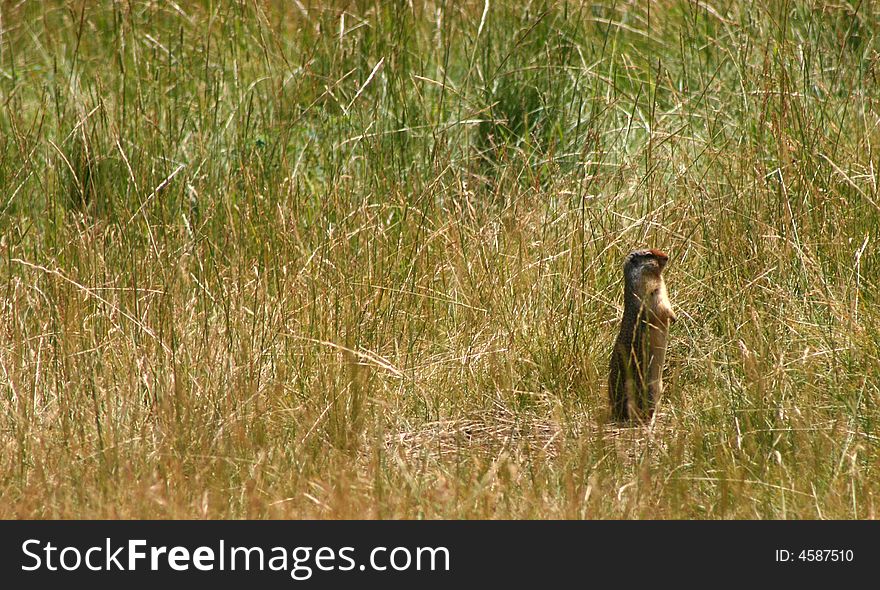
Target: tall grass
x=362 y=259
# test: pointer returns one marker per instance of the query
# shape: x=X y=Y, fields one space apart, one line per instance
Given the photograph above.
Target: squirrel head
x=643 y=264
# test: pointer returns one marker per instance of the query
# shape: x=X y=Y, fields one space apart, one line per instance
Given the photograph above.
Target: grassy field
x=363 y=259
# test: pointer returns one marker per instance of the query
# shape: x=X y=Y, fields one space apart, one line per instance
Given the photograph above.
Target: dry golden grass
x=362 y=260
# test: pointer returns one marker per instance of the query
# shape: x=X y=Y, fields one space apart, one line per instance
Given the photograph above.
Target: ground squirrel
x=635 y=380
